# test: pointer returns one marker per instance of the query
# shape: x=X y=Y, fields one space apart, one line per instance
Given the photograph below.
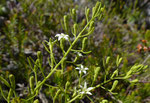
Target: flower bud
x=73 y=11
x=74 y=15
x=83 y=43
x=104 y=101
x=128 y=73
x=38 y=54
x=12 y=80
x=136 y=68
x=75 y=30
x=36 y=101
x=114 y=85
x=95 y=9
x=114 y=73
x=107 y=60
x=96 y=73
x=145 y=67
x=118 y=61
x=134 y=81
x=31 y=81
x=87 y=12
x=65 y=23
x=102 y=9
x=66 y=86
x=91 y=25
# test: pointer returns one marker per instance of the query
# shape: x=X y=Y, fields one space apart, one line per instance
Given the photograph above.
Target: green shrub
x=78 y=66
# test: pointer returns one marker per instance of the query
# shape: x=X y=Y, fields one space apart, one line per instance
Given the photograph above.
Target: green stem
x=74 y=98
x=14 y=93
x=41 y=70
x=80 y=78
x=56 y=95
x=55 y=68
x=105 y=76
x=93 y=82
x=2 y=93
x=5 y=82
x=32 y=97
x=117 y=72
x=50 y=86
x=99 y=85
x=90 y=99
x=51 y=56
x=35 y=76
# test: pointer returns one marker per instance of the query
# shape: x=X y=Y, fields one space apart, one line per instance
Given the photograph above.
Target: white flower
x=79 y=54
x=62 y=36
x=86 y=90
x=3 y=9
x=82 y=69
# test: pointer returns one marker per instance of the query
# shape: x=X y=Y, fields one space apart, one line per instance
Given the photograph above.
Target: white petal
x=82 y=67
x=66 y=38
x=59 y=38
x=86 y=68
x=84 y=72
x=57 y=35
x=77 y=68
x=89 y=89
x=85 y=85
x=62 y=34
x=81 y=86
x=80 y=55
x=80 y=72
x=82 y=92
x=89 y=93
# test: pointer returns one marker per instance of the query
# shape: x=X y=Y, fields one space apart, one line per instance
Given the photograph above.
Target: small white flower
x=86 y=90
x=82 y=69
x=62 y=36
x=79 y=54
x=3 y=9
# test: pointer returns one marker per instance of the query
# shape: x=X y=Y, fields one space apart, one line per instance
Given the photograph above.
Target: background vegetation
x=124 y=31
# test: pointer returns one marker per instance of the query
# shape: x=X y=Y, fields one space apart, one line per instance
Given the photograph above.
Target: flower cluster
x=84 y=89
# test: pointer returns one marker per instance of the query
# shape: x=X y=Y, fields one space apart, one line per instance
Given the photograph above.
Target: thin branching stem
x=55 y=68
